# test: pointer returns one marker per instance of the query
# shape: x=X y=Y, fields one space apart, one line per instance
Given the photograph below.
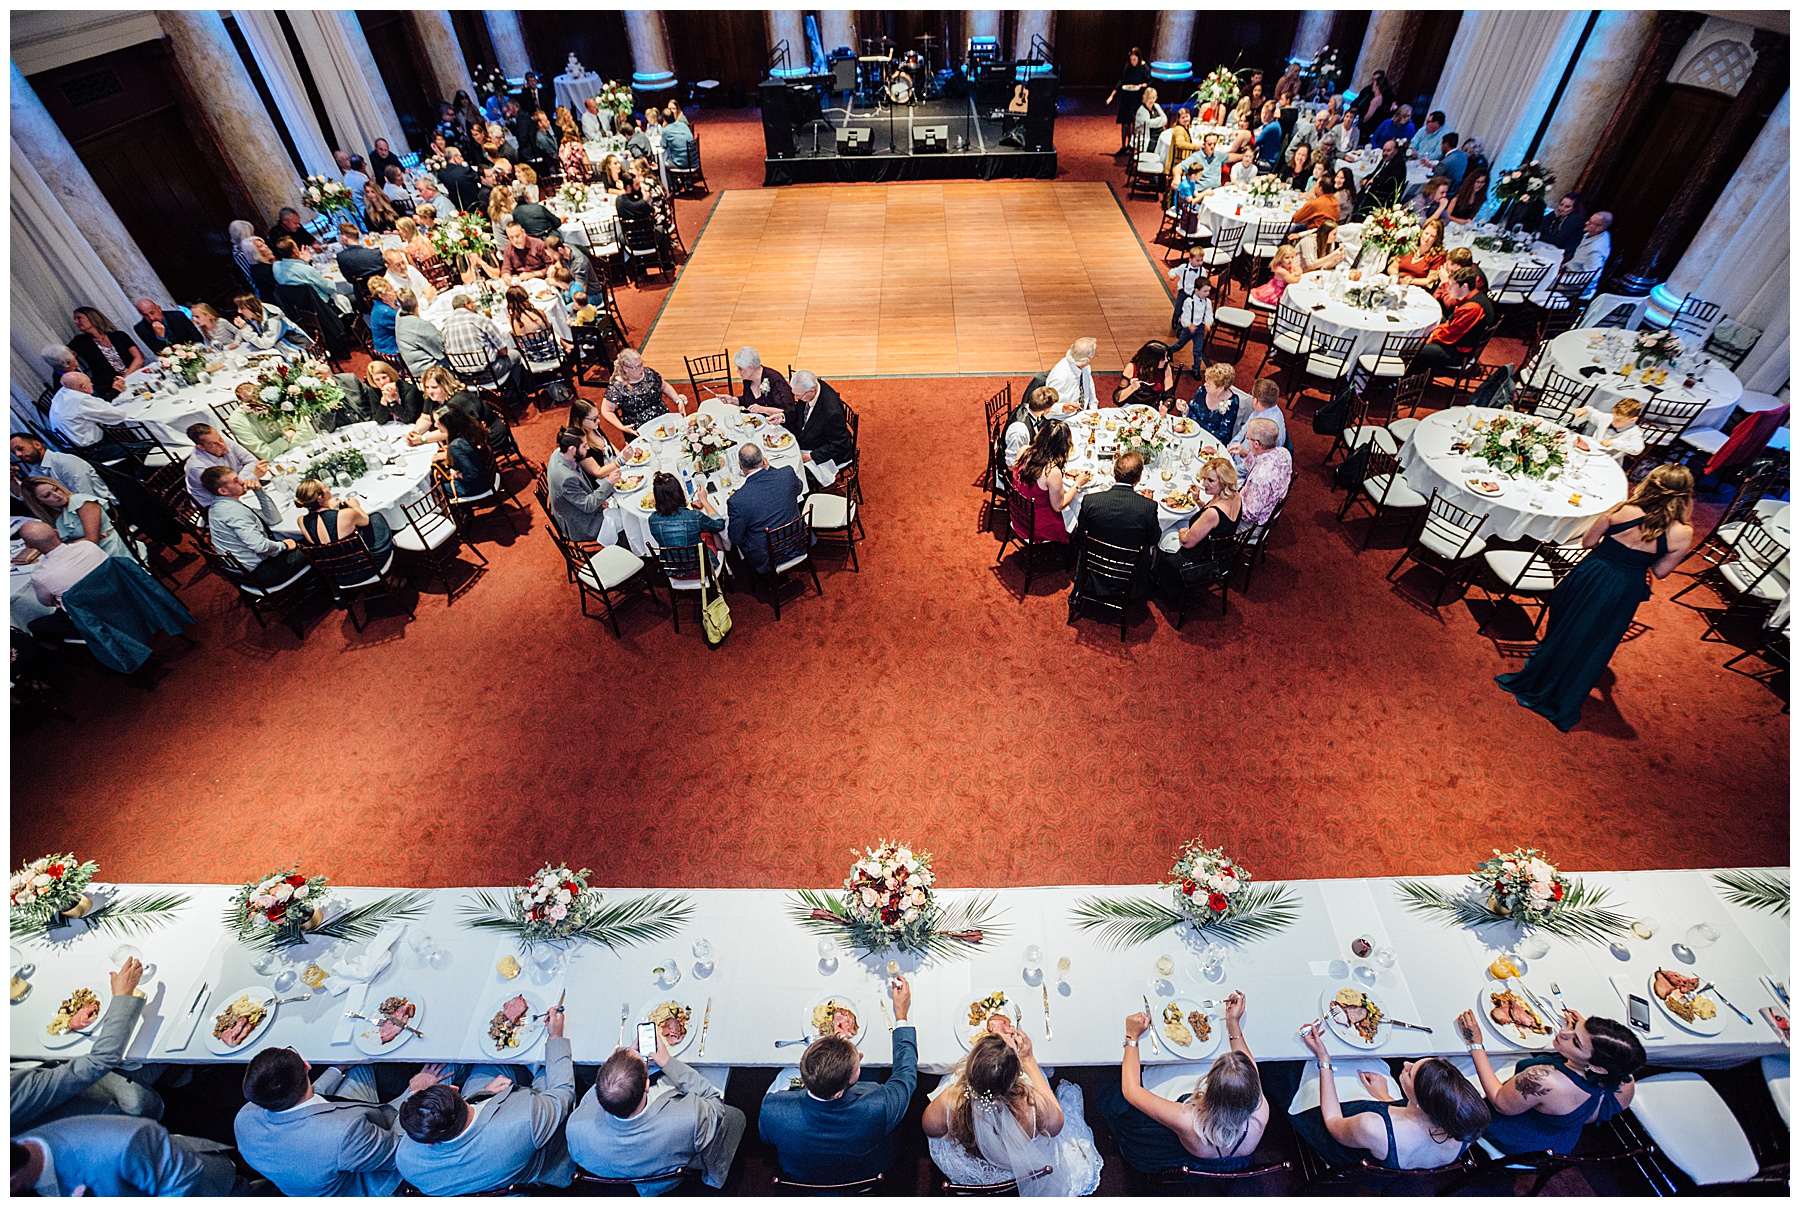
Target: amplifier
x=931 y=138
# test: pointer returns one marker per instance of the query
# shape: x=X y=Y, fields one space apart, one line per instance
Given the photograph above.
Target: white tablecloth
x=573 y=92
x=1231 y=205
x=601 y=214
x=666 y=457
x=1498 y=265
x=1364 y=162
x=767 y=974
x=1417 y=316
x=398 y=473
x=1573 y=351
x=543 y=297
x=1182 y=458
x=1523 y=508
x=169 y=415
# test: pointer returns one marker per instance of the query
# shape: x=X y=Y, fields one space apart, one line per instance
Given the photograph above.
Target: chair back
x=541 y=350
x=473 y=367
x=860 y=1186
x=345 y=563
x=603 y=236
x=1296 y=325
x=1409 y=391
x=1332 y=356
x=713 y=370
x=138 y=435
x=1398 y=348
x=223 y=411
x=1384 y=466
x=1696 y=317
x=1524 y=277
x=1109 y=563
x=1570 y=285
x=1760 y=551
x=679 y=562
x=854 y=424
x=1664 y=419
x=679 y=1173
x=639 y=236
x=1019 y=510
x=788 y=541
x=1760 y=481
x=43 y=400
x=1559 y=396
x=432 y=506
x=1188 y=1175
x=1270 y=234
x=1615 y=310
x=993 y=1189
x=1454 y=527
x=997 y=409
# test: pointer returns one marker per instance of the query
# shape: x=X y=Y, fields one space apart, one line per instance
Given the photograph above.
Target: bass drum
x=900 y=89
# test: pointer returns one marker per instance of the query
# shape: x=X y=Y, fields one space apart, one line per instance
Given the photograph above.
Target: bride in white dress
x=996 y=1118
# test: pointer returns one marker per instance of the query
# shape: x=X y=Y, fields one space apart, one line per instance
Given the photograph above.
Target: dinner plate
x=841 y=999
x=1067 y=408
x=967 y=1035
x=1349 y=1034
x=1699 y=1026
x=528 y=1034
x=1186 y=504
x=1516 y=1036
x=777 y=441
x=1184 y=427
x=102 y=989
x=648 y=501
x=367 y=1037
x=216 y=1007
x=635 y=456
x=1200 y=1047
x=1475 y=486
x=630 y=482
x=693 y=1022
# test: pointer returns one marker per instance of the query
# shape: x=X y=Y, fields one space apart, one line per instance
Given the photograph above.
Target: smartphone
x=1637 y=1012
x=646 y=1040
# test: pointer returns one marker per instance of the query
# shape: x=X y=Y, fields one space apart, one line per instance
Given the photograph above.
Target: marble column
x=837 y=27
x=1040 y=22
x=261 y=30
x=788 y=25
x=231 y=109
x=1314 y=33
x=1386 y=27
x=37 y=137
x=1172 y=54
x=1595 y=90
x=447 y=71
x=652 y=67
x=1654 y=61
x=508 y=35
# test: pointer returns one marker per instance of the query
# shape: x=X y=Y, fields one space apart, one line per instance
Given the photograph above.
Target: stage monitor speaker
x=855 y=140
x=994 y=87
x=843 y=74
x=776 y=103
x=1040 y=113
x=931 y=138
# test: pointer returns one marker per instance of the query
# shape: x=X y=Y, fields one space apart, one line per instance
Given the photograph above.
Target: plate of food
x=240 y=1020
x=753 y=421
x=835 y=1014
x=674 y=1021
x=635 y=454
x=1088 y=417
x=777 y=440
x=647 y=501
x=1067 y=408
x=1512 y=1017
x=388 y=1024
x=1486 y=487
x=1183 y=426
x=1140 y=408
x=514 y=1027
x=1186 y=1030
x=1679 y=996
x=1179 y=503
x=1354 y=1017
x=77 y=1016
x=628 y=483
x=995 y=1009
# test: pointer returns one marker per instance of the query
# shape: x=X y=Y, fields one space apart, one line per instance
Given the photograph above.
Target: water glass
x=1034 y=960
x=1702 y=935
x=703 y=956
x=828 y=954
x=125 y=951
x=21 y=967
x=422 y=946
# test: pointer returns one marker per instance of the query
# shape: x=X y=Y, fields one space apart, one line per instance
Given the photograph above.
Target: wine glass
x=828 y=955
x=125 y=951
x=1034 y=961
x=21 y=967
x=703 y=956
x=1062 y=969
x=1645 y=927
x=422 y=946
x=1702 y=935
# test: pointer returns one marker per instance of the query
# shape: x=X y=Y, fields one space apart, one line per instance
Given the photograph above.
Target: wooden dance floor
x=914 y=279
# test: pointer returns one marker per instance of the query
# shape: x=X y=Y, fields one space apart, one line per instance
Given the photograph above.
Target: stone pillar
x=1705 y=176
x=652 y=67
x=37 y=137
x=837 y=27
x=788 y=25
x=508 y=35
x=1171 y=55
x=982 y=23
x=1654 y=63
x=1386 y=26
x=1595 y=90
x=1314 y=33
x=231 y=108
x=1034 y=21
x=445 y=68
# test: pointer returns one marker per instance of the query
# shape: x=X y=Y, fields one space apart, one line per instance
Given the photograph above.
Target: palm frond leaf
x=138 y=915
x=365 y=921
x=955 y=930
x=1585 y=914
x=620 y=924
x=807 y=902
x=1770 y=892
x=1121 y=922
x=978 y=916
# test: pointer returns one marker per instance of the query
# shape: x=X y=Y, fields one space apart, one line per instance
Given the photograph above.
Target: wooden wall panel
x=728 y=45
x=1676 y=128
x=595 y=35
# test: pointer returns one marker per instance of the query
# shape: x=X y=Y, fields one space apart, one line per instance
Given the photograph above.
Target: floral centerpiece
x=705 y=443
x=1515 y=444
x=1266 y=189
x=1143 y=432
x=1504 y=241
x=1657 y=348
x=433 y=163
x=1389 y=231
x=1322 y=73
x=616 y=96
x=52 y=891
x=1207 y=890
x=489 y=81
x=1523 y=887
x=342 y=467
x=1527 y=182
x=1370 y=293
x=890 y=902
x=281 y=908
x=189 y=360
x=460 y=235
x=1217 y=93
x=324 y=195
x=574 y=197
x=559 y=904
x=288 y=393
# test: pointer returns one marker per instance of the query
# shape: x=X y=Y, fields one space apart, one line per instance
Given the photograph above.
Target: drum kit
x=902 y=79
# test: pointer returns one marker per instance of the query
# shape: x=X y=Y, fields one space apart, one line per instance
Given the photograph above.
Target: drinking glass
x=268 y=962
x=1062 y=968
x=703 y=956
x=1645 y=928
x=1534 y=946
x=125 y=951
x=1383 y=957
x=422 y=946
x=828 y=954
x=1212 y=961
x=546 y=961
x=21 y=967
x=1702 y=935
x=1165 y=966
x=1034 y=960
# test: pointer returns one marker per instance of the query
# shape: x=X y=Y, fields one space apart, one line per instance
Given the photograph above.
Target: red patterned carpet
x=1330 y=725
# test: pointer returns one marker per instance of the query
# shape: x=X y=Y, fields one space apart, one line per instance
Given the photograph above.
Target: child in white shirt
x=1618 y=433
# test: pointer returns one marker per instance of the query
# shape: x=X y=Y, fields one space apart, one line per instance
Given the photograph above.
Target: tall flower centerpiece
x=1515 y=444
x=51 y=891
x=281 y=908
x=189 y=360
x=573 y=197
x=1207 y=890
x=288 y=393
x=460 y=239
x=1657 y=348
x=489 y=81
x=890 y=902
x=1523 y=887
x=1266 y=189
x=1389 y=231
x=1522 y=190
x=704 y=443
x=616 y=96
x=1142 y=431
x=1217 y=93
x=559 y=904
x=1322 y=74
x=324 y=195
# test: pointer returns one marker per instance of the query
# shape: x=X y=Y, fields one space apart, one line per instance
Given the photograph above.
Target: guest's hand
x=289 y=433
x=611 y=471
x=126 y=979
x=663 y=1055
x=425 y=1078
x=262 y=469
x=496 y=1085
x=1468 y=1027
x=1236 y=450
x=553 y=1022
x=414 y=439
x=1022 y=1045
x=902 y=997
x=805 y=457
x=1376 y=1084
x=290 y=543
x=119 y=383
x=1314 y=1038
x=1234 y=1005
x=1136 y=1024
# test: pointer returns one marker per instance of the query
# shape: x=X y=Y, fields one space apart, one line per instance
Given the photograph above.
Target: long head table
x=767 y=973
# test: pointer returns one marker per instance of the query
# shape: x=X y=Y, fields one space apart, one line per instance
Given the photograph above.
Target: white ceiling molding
x=43 y=39
x=1717 y=57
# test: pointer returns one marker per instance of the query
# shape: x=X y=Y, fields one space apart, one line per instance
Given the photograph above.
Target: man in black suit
x=356 y=262
x=632 y=204
x=817 y=420
x=769 y=498
x=459 y=181
x=536 y=96
x=537 y=219
x=288 y=226
x=382 y=158
x=159 y=328
x=1385 y=183
x=1123 y=517
x=1561 y=227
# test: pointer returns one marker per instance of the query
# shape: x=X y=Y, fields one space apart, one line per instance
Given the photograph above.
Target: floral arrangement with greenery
x=1207 y=890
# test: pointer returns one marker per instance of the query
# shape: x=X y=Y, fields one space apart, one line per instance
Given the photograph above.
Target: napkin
x=1625 y=986
x=368 y=963
x=1590 y=370
x=181 y=1032
x=1344 y=1072
x=353 y=1004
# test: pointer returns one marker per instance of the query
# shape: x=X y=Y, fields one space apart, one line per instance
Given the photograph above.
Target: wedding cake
x=575 y=69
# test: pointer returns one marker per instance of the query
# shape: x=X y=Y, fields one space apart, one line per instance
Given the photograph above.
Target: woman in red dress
x=1038 y=476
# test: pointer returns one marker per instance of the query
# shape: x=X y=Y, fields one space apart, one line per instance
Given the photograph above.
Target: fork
x=367 y=1019
x=788 y=1043
x=1556 y=992
x=624 y=1016
x=1721 y=997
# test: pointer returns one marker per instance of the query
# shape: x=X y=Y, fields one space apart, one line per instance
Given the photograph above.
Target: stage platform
x=973 y=151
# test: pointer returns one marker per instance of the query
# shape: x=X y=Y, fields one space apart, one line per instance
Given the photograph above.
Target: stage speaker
x=775 y=100
x=843 y=74
x=994 y=88
x=931 y=138
x=855 y=140
x=1040 y=113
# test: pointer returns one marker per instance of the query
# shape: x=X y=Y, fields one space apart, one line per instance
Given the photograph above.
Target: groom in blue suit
x=840 y=1129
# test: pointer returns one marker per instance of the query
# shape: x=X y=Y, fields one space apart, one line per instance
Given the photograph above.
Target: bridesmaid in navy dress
x=1551 y=1096
x=1591 y=609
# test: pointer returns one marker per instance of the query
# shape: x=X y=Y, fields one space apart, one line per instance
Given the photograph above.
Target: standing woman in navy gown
x=1591 y=609
x=1128 y=93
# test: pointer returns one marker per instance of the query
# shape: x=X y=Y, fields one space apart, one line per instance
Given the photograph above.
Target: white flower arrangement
x=1208 y=890
x=1143 y=431
x=889 y=901
x=1518 y=444
x=1527 y=182
x=324 y=195
x=704 y=443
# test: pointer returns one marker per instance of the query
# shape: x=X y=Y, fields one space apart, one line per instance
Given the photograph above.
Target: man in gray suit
x=494 y=1133
x=89 y=1085
x=626 y=1129
x=421 y=344
x=116 y=1155
x=579 y=504
x=330 y=1136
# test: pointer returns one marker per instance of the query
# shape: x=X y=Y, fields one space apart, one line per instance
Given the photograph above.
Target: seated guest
x=461 y=183
x=577 y=502
x=495 y=1133
x=596 y=450
x=1269 y=470
x=539 y=145
x=675 y=524
x=259 y=266
x=1399 y=126
x=816 y=417
x=382 y=396
x=1456 y=259
x=1453 y=162
x=235 y=235
x=839 y=1128
x=539 y=345
x=1437 y=1117
x=288 y=226
x=1424 y=264
x=1215 y=408
x=117 y=1156
x=416 y=243
x=633 y=204
x=1148 y=122
x=523 y=257
x=1428 y=136
x=1433 y=202
x=679 y=148
x=1184 y=198
x=1564 y=226
x=353 y=169
x=593 y=126
x=1318 y=249
x=76 y=414
x=1182 y=142
x=1207 y=552
x=403 y=274
x=384 y=316
x=217 y=334
x=466 y=454
x=394 y=186
x=378 y=211
x=265 y=433
x=622 y=1130
x=612 y=174
x=1211 y=160
x=421 y=344
x=572 y=155
x=210 y=449
x=1451 y=341
x=382 y=158
x=1072 y=377
x=91 y=1083
x=159 y=328
x=1265 y=403
x=106 y=354
x=1149 y=377
x=265 y=327
x=1216 y=1128
x=1284 y=270
x=773 y=499
x=764 y=390
x=1121 y=516
x=309 y=1144
x=1193 y=317
x=356 y=262
x=1469 y=199
x=1321 y=204
x=637 y=144
x=325 y=519
x=1617 y=433
x=293 y=266
x=60 y=565
x=473 y=336
x=1385 y=184
x=637 y=394
x=1345 y=180
x=1038 y=476
x=1552 y=1096
x=76 y=517
x=1595 y=247
x=32 y=459
x=1026 y=422
x=439 y=387
x=537 y=219
x=1268 y=138
x=1296 y=172
x=247 y=535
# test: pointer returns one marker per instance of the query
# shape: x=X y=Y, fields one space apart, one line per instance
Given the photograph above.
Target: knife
x=1531 y=999
x=885 y=1016
x=1046 y=989
x=1151 y=1030
x=705 y=1022
x=199 y=997
x=1394 y=1022
x=1721 y=997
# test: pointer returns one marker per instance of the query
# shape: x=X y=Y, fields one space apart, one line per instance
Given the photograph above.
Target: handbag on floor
x=715 y=613
x=1334 y=416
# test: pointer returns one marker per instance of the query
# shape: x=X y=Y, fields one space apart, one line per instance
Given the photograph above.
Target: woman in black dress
x=1149 y=378
x=1129 y=94
x=1207 y=549
x=105 y=354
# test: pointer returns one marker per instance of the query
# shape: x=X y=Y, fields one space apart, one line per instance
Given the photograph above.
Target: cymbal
x=924 y=38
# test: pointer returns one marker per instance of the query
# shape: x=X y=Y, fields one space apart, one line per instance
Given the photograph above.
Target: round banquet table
x=398 y=473
x=602 y=213
x=660 y=440
x=1417 y=315
x=1498 y=266
x=168 y=416
x=1231 y=206
x=573 y=91
x=1605 y=350
x=1557 y=511
x=1189 y=445
x=543 y=296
